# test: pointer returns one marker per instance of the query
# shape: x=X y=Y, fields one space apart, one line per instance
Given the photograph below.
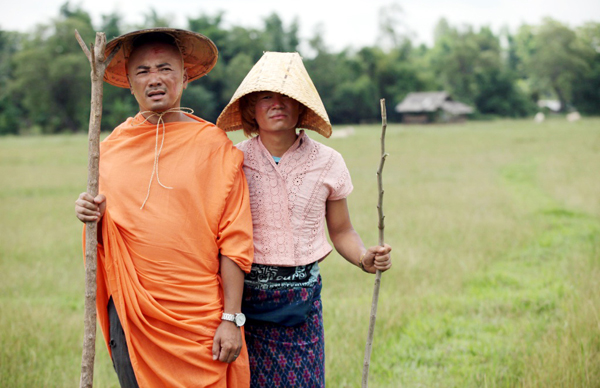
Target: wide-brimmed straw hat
x=282 y=73
x=199 y=54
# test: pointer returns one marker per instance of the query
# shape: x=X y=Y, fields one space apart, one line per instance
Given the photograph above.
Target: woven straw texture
x=282 y=73
x=199 y=54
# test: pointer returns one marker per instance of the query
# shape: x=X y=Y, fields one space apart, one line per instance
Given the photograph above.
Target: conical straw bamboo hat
x=282 y=73
x=199 y=54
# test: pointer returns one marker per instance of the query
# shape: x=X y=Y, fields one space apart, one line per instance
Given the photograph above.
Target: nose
x=278 y=100
x=155 y=79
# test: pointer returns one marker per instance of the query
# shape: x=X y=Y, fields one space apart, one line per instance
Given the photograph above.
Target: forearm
x=227 y=342
x=233 y=285
x=343 y=236
x=349 y=245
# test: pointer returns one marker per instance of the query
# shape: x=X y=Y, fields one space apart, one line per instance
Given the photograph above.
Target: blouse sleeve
x=342 y=183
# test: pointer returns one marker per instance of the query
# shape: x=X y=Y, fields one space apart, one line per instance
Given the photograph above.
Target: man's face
x=156 y=77
x=276 y=112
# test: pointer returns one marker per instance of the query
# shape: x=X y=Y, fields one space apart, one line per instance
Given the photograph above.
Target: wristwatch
x=239 y=319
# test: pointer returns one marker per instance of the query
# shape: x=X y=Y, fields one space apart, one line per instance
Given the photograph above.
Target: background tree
x=51 y=78
x=457 y=56
x=10 y=111
x=44 y=80
x=401 y=71
x=277 y=37
x=327 y=71
x=117 y=101
x=553 y=58
x=586 y=85
x=474 y=68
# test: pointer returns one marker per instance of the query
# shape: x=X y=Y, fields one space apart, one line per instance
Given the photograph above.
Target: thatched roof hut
x=424 y=107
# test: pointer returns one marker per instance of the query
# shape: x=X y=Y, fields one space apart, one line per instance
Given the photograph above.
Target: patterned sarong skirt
x=284 y=328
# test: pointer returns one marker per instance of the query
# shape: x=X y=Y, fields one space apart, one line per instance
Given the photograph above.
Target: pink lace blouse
x=288 y=199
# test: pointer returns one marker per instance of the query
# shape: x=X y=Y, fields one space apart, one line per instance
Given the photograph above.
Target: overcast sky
x=342 y=24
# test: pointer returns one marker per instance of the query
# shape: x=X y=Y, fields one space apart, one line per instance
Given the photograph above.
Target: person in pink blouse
x=296 y=186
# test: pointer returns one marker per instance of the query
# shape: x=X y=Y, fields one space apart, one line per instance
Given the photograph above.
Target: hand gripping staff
x=98 y=64
x=369 y=346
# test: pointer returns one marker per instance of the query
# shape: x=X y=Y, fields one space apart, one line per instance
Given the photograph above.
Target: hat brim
x=199 y=54
x=231 y=117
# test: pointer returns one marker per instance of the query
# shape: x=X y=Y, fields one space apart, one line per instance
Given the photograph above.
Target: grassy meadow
x=495 y=228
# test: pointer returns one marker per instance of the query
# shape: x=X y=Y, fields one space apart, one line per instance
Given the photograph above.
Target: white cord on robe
x=157 y=150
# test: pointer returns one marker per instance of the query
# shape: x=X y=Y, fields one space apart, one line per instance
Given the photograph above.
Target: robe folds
x=160 y=264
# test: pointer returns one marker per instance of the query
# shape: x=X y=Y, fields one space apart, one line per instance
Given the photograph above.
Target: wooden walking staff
x=369 y=347
x=98 y=64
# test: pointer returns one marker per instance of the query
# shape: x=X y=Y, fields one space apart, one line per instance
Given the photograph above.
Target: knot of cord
x=157 y=150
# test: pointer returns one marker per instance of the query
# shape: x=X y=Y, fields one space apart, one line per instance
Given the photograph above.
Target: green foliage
x=456 y=58
x=401 y=72
x=10 y=113
x=328 y=71
x=45 y=86
x=122 y=105
x=51 y=76
x=499 y=95
x=236 y=69
x=354 y=101
x=553 y=58
x=9 y=117
x=202 y=101
x=586 y=87
x=277 y=38
x=472 y=69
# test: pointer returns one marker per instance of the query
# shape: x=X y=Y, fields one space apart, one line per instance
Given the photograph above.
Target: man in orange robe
x=176 y=231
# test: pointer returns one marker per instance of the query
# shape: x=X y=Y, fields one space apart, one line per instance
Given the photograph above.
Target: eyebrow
x=144 y=67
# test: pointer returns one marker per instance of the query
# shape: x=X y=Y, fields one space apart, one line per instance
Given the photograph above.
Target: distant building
x=428 y=107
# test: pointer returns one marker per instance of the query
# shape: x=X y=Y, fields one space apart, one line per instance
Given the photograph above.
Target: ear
x=185 y=78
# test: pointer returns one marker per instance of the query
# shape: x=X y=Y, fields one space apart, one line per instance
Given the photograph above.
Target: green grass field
x=496 y=234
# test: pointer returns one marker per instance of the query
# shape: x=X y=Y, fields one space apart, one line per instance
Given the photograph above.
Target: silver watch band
x=228 y=317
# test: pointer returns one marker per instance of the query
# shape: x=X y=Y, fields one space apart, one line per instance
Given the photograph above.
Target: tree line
x=45 y=85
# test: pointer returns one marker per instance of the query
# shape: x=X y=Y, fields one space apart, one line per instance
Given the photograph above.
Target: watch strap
x=228 y=317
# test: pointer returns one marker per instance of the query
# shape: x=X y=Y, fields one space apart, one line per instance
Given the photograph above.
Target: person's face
x=276 y=112
x=156 y=77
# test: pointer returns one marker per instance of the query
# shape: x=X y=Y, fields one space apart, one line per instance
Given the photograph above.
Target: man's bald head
x=156 y=73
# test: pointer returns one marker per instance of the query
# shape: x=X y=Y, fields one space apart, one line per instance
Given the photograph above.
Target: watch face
x=240 y=319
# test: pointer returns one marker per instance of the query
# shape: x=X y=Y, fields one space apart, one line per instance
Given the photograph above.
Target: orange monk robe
x=161 y=263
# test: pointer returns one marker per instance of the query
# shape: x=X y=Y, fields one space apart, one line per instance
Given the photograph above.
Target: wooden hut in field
x=430 y=107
